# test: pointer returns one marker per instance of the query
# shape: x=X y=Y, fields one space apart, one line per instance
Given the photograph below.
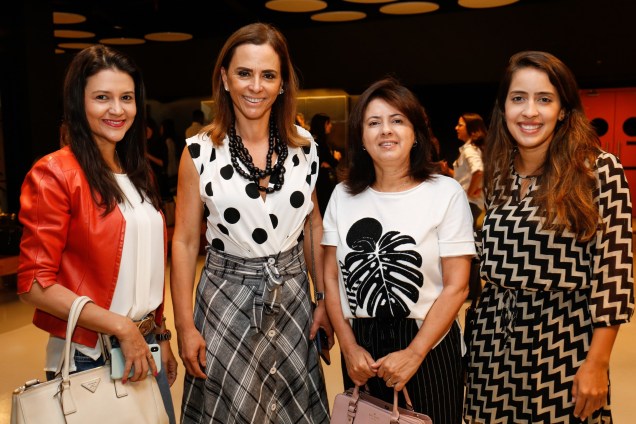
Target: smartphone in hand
x=322 y=345
x=117 y=361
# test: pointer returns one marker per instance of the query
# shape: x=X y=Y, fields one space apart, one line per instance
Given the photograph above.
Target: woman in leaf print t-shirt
x=398 y=245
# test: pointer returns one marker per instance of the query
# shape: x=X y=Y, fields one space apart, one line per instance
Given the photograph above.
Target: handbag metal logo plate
x=92 y=385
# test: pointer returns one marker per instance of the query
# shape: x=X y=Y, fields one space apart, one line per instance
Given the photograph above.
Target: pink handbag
x=355 y=407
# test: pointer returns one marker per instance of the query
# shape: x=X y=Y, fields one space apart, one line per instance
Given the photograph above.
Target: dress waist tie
x=267 y=273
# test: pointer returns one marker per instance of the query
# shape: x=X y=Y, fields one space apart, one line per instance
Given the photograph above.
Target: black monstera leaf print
x=381 y=274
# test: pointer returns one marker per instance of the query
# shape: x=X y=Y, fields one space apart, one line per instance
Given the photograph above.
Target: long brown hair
x=284 y=108
x=76 y=130
x=566 y=192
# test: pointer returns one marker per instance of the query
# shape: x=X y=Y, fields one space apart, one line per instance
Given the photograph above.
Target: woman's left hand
x=168 y=362
x=591 y=385
x=321 y=319
x=397 y=368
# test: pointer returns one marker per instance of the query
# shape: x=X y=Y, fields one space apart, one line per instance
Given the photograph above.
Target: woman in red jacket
x=93 y=226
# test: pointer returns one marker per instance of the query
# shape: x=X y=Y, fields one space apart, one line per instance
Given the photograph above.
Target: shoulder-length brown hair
x=284 y=108
x=476 y=129
x=359 y=172
x=566 y=192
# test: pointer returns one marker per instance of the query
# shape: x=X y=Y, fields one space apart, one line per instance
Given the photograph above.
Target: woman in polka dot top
x=250 y=175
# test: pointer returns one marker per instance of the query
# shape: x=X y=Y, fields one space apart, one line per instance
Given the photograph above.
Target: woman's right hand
x=358 y=362
x=192 y=352
x=136 y=353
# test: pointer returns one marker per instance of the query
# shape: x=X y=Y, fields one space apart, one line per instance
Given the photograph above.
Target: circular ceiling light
x=74 y=45
x=369 y=1
x=338 y=16
x=296 y=5
x=60 y=51
x=67 y=18
x=121 y=41
x=70 y=33
x=409 y=8
x=483 y=4
x=168 y=36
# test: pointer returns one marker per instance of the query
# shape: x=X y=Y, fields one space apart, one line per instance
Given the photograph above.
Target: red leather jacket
x=67 y=241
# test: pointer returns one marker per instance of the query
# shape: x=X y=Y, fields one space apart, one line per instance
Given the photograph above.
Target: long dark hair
x=131 y=149
x=359 y=172
x=284 y=108
x=566 y=192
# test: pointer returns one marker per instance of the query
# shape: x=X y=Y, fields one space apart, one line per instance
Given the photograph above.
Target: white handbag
x=89 y=396
x=356 y=407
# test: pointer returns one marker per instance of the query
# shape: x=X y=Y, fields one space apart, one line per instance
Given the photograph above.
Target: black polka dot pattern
x=223 y=229
x=240 y=196
x=232 y=215
x=297 y=199
x=195 y=150
x=227 y=171
x=259 y=235
x=252 y=191
x=218 y=244
x=274 y=220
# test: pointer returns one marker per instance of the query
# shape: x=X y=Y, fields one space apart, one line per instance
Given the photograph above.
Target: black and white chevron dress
x=543 y=297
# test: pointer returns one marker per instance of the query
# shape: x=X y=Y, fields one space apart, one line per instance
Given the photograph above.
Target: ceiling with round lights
x=119 y=21
x=296 y=6
x=409 y=8
x=338 y=16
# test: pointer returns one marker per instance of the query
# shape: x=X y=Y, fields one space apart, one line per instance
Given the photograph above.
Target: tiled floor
x=22 y=358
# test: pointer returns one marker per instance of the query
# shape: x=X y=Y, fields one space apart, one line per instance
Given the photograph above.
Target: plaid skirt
x=255 y=315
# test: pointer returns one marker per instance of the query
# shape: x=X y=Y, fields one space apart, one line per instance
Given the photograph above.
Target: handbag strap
x=73 y=316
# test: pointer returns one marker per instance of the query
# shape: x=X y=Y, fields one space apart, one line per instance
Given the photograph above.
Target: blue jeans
x=83 y=363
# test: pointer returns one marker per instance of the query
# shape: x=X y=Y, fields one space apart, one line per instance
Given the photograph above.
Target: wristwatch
x=166 y=336
x=319 y=296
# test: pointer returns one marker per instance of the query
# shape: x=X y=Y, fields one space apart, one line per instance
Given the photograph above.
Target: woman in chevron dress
x=556 y=255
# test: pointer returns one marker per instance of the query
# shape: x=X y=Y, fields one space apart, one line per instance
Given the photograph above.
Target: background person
x=468 y=169
x=251 y=175
x=556 y=256
x=197 y=124
x=92 y=225
x=399 y=243
x=320 y=129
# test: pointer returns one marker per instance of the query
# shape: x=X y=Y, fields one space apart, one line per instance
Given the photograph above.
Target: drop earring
x=282 y=90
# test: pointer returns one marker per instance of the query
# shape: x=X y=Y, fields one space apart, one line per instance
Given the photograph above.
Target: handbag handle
x=73 y=316
x=395 y=415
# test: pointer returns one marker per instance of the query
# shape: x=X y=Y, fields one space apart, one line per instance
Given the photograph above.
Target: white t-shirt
x=469 y=162
x=389 y=246
x=140 y=282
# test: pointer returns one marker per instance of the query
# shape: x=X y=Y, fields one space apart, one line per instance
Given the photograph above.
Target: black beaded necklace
x=238 y=152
